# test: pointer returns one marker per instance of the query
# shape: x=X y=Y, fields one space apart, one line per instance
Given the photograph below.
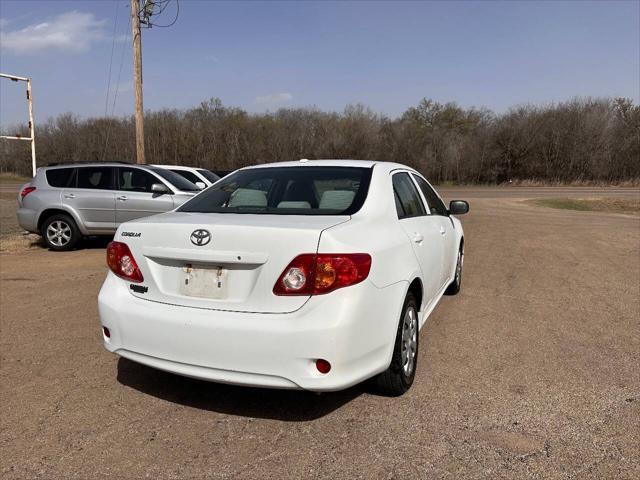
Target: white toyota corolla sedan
x=310 y=275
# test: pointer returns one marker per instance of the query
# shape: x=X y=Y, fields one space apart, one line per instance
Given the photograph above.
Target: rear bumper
x=28 y=219
x=353 y=328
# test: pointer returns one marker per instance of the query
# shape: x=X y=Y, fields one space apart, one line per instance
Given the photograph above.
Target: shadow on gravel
x=285 y=405
x=90 y=243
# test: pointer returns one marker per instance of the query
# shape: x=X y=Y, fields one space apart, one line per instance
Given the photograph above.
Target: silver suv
x=64 y=203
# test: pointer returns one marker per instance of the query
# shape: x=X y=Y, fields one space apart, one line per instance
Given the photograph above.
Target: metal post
x=137 y=79
x=32 y=126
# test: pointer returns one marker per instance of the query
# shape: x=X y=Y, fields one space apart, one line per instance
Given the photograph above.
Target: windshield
x=176 y=180
x=212 y=177
x=286 y=191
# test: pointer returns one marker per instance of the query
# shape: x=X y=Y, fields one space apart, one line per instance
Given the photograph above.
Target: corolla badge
x=200 y=237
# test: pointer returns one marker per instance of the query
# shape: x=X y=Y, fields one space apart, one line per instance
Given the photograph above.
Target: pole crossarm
x=18 y=137
x=15 y=78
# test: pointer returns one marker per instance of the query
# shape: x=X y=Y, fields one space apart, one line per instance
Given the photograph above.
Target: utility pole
x=137 y=79
x=32 y=127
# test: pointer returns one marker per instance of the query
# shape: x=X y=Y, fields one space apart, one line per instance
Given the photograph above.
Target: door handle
x=442 y=231
x=69 y=195
x=418 y=238
x=122 y=198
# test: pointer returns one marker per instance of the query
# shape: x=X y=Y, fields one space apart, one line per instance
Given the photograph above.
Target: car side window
x=95 y=178
x=61 y=177
x=436 y=207
x=136 y=180
x=192 y=177
x=408 y=201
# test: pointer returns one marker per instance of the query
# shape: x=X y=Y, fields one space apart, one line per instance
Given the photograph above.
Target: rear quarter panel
x=375 y=230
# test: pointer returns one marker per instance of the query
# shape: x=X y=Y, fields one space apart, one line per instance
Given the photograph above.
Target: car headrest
x=292 y=204
x=245 y=197
x=337 y=199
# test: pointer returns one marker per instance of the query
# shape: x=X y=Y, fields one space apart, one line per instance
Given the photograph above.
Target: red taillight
x=316 y=274
x=26 y=191
x=121 y=262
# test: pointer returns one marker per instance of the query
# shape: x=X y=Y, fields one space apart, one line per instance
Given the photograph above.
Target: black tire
x=396 y=380
x=454 y=287
x=60 y=232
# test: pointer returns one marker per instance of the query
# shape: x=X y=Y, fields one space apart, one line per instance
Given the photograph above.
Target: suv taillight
x=316 y=274
x=121 y=262
x=26 y=191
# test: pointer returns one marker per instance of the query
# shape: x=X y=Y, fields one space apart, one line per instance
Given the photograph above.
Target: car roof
x=96 y=164
x=383 y=165
x=179 y=167
x=319 y=163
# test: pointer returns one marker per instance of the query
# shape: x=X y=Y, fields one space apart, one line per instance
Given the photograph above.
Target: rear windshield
x=176 y=180
x=286 y=191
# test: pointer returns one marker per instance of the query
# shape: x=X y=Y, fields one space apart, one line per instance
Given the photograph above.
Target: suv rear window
x=60 y=177
x=286 y=191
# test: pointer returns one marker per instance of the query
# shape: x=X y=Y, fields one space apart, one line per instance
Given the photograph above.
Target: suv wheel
x=60 y=232
x=398 y=378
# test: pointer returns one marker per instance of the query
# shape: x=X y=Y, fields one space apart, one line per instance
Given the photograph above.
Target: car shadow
x=86 y=243
x=89 y=243
x=284 y=405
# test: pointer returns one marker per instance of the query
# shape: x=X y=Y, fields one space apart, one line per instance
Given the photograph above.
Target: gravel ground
x=531 y=372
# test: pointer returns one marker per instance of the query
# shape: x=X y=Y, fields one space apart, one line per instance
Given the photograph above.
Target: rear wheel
x=454 y=287
x=60 y=232
x=398 y=378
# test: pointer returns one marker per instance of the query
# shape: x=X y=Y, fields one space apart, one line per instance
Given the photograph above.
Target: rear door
x=93 y=198
x=135 y=198
x=440 y=214
x=422 y=231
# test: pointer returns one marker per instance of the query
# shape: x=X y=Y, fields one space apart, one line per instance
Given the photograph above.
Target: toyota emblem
x=200 y=237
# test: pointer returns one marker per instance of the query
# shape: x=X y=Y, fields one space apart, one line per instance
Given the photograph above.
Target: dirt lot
x=531 y=372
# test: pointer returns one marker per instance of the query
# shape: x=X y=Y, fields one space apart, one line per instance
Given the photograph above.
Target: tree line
x=581 y=140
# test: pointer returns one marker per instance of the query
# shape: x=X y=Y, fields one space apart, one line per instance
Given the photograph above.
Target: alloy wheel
x=59 y=233
x=409 y=340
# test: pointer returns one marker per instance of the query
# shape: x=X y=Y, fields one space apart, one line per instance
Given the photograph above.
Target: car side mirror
x=201 y=185
x=159 y=188
x=458 y=207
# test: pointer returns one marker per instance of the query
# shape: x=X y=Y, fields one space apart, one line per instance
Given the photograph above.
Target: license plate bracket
x=204 y=281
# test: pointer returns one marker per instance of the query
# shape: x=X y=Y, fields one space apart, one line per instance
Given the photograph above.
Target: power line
x=113 y=45
x=148 y=11
x=115 y=95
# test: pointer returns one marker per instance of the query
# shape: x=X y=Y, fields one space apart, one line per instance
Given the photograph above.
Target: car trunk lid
x=221 y=261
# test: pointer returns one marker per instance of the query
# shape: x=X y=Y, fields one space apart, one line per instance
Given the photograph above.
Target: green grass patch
x=607 y=204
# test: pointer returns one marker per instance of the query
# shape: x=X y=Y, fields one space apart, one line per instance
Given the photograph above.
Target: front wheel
x=398 y=378
x=60 y=232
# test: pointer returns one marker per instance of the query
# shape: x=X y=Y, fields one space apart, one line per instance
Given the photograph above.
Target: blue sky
x=262 y=56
